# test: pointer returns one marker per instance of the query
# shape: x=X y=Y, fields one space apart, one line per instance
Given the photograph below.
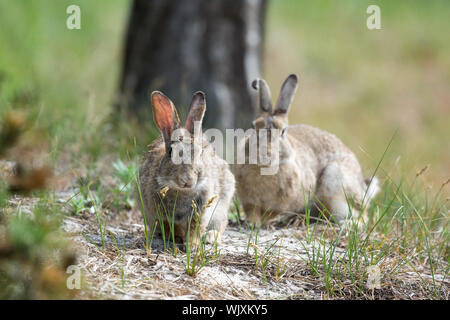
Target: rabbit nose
x=186 y=182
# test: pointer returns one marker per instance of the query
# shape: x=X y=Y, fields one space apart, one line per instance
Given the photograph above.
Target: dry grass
x=129 y=271
x=287 y=260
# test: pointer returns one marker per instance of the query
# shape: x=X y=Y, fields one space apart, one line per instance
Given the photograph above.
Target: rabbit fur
x=313 y=165
x=187 y=192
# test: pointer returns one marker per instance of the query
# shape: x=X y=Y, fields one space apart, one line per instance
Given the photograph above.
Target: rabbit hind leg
x=335 y=192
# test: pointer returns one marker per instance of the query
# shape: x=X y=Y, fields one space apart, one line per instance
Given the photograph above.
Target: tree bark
x=183 y=46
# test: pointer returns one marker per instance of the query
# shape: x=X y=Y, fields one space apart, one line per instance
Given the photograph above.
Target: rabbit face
x=269 y=121
x=274 y=119
x=182 y=164
x=181 y=167
x=272 y=129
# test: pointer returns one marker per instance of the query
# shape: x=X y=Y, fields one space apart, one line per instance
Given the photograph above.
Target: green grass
x=34 y=252
x=123 y=192
x=66 y=79
x=399 y=231
x=198 y=254
x=122 y=268
x=148 y=236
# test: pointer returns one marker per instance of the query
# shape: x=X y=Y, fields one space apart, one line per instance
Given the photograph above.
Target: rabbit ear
x=165 y=115
x=286 y=94
x=265 y=99
x=196 y=110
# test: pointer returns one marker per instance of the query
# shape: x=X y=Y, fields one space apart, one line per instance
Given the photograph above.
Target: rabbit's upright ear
x=165 y=115
x=286 y=94
x=196 y=111
x=265 y=98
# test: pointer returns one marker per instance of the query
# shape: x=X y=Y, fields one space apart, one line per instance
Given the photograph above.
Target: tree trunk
x=183 y=46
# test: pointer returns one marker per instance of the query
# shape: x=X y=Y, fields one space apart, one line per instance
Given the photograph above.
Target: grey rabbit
x=311 y=162
x=204 y=186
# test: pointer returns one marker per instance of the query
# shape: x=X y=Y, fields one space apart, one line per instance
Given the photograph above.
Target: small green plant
x=79 y=204
x=148 y=235
x=198 y=255
x=90 y=201
x=280 y=267
x=120 y=256
x=165 y=218
x=86 y=197
x=255 y=228
x=235 y=215
x=123 y=192
x=34 y=254
x=265 y=259
x=398 y=234
x=87 y=200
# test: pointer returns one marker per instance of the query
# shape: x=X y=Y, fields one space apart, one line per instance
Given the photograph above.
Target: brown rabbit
x=313 y=164
x=171 y=189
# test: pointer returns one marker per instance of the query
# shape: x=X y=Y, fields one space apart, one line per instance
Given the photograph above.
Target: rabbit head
x=275 y=117
x=181 y=165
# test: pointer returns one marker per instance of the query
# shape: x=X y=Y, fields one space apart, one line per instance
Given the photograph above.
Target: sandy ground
x=124 y=269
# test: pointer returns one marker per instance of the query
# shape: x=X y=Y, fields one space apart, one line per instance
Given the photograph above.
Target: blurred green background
x=360 y=84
